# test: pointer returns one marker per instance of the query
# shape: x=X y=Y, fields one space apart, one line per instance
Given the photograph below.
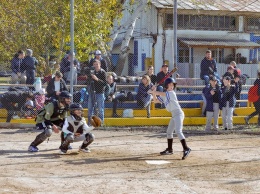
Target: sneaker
x=33 y=149
x=167 y=151
x=86 y=150
x=246 y=120
x=16 y=117
x=63 y=152
x=186 y=153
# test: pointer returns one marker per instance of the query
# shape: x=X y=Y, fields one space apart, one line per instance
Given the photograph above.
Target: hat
x=212 y=78
x=227 y=78
x=42 y=91
x=164 y=65
x=97 y=52
x=29 y=103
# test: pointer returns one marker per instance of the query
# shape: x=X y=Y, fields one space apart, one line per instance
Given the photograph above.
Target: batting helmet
x=169 y=80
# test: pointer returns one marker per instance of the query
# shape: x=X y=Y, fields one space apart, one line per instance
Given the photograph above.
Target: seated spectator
x=27 y=109
x=55 y=86
x=161 y=75
x=112 y=96
x=40 y=99
x=150 y=73
x=13 y=101
x=65 y=64
x=143 y=98
x=18 y=74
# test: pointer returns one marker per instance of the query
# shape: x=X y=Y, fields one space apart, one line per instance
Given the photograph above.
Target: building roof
x=212 y=5
x=218 y=43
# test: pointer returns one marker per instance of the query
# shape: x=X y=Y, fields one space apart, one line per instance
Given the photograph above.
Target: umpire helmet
x=169 y=80
x=73 y=107
x=63 y=95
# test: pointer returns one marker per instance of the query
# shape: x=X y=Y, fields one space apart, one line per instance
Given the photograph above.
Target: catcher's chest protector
x=75 y=126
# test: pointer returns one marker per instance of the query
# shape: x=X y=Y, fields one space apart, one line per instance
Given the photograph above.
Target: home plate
x=158 y=162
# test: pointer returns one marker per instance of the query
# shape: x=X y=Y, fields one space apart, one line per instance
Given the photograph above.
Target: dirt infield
x=124 y=161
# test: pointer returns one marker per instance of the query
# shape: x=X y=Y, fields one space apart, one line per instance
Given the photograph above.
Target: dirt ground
x=127 y=161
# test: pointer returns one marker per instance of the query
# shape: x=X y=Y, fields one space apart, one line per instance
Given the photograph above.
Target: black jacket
x=29 y=63
x=51 y=88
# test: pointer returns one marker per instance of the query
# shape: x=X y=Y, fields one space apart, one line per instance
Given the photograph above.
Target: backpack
x=252 y=93
x=130 y=96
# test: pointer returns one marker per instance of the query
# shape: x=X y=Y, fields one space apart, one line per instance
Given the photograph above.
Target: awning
x=219 y=43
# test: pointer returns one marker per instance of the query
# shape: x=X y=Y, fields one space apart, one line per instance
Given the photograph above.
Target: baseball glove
x=95 y=121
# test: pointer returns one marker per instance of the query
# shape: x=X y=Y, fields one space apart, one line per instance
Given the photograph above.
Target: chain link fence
x=230 y=37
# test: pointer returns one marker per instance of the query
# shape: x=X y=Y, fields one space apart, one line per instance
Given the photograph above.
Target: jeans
x=120 y=97
x=97 y=101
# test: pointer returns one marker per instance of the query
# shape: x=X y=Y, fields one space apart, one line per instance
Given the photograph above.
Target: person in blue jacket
x=212 y=94
x=29 y=65
x=228 y=101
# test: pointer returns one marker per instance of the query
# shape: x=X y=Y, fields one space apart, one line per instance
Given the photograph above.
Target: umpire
x=51 y=117
x=12 y=101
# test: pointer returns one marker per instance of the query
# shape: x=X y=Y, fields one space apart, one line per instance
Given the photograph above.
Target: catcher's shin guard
x=89 y=139
x=42 y=136
x=69 y=139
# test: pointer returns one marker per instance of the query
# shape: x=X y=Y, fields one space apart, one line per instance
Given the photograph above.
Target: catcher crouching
x=76 y=129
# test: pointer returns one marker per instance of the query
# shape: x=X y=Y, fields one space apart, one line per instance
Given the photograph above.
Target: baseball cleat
x=167 y=151
x=186 y=153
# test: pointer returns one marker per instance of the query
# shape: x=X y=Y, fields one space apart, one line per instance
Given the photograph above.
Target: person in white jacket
x=75 y=129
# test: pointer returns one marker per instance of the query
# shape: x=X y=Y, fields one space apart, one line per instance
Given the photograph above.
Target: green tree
x=44 y=26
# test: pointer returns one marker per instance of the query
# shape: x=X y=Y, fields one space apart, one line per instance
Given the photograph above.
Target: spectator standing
x=13 y=101
x=227 y=103
x=150 y=73
x=112 y=96
x=208 y=67
x=96 y=89
x=212 y=94
x=237 y=73
x=18 y=74
x=29 y=64
x=55 y=86
x=98 y=57
x=143 y=98
x=256 y=104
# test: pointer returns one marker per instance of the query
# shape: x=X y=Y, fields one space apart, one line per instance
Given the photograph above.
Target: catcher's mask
x=73 y=107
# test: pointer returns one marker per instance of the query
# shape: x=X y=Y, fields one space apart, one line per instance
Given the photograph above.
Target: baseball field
x=127 y=160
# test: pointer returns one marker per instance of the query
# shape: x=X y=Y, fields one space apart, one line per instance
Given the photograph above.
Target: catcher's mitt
x=95 y=121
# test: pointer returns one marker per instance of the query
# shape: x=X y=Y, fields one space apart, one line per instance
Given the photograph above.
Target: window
x=183 y=53
x=217 y=55
x=253 y=24
x=202 y=22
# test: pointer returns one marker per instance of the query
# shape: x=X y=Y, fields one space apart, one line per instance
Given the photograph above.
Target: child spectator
x=227 y=103
x=212 y=94
x=28 y=109
x=40 y=99
x=143 y=98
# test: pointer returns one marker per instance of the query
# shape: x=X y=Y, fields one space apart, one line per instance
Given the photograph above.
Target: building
x=231 y=29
